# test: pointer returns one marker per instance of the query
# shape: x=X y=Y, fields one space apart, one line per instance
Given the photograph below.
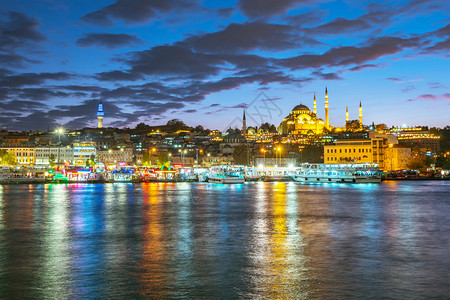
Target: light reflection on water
x=253 y=240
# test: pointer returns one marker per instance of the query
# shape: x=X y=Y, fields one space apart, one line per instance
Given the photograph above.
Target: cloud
x=431 y=97
x=363 y=67
x=266 y=8
x=339 y=26
x=443 y=46
x=32 y=78
x=347 y=55
x=21 y=106
x=108 y=40
x=15 y=60
x=118 y=76
x=175 y=60
x=18 y=30
x=135 y=11
x=248 y=36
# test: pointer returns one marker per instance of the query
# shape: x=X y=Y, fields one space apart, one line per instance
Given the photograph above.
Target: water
x=200 y=240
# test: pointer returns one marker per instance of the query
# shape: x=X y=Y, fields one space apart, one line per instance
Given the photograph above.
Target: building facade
x=62 y=155
x=357 y=151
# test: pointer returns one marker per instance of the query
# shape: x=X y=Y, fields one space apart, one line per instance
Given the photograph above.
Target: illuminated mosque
x=302 y=121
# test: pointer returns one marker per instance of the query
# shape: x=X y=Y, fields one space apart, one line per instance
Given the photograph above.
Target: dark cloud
x=339 y=26
x=443 y=32
x=135 y=11
x=395 y=79
x=347 y=55
x=15 y=60
x=363 y=67
x=17 y=30
x=247 y=36
x=32 y=78
x=175 y=60
x=431 y=97
x=39 y=94
x=21 y=106
x=34 y=120
x=118 y=76
x=310 y=17
x=225 y=12
x=267 y=8
x=443 y=46
x=108 y=40
x=84 y=88
x=326 y=76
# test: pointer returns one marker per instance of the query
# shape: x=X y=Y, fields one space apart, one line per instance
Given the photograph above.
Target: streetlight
x=59 y=131
x=264 y=153
x=278 y=150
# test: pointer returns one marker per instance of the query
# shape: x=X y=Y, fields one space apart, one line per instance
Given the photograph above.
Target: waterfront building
x=62 y=155
x=359 y=151
x=115 y=156
x=418 y=137
x=396 y=157
x=14 y=140
x=24 y=155
x=82 y=152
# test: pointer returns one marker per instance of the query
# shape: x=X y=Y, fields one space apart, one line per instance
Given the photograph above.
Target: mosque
x=302 y=121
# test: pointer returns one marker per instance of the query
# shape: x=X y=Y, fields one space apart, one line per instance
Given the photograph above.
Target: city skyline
x=205 y=61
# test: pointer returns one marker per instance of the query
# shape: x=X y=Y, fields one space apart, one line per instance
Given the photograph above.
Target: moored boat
x=342 y=173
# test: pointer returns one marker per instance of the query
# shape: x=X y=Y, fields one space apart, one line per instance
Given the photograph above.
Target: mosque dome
x=301 y=107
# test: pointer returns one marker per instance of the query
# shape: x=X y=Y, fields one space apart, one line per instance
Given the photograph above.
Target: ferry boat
x=224 y=176
x=350 y=173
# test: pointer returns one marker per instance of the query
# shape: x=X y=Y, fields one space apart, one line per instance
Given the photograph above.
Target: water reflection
x=253 y=240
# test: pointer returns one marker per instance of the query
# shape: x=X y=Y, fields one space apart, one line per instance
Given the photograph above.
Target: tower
x=244 y=125
x=346 y=115
x=315 y=105
x=327 y=123
x=100 y=115
x=360 y=116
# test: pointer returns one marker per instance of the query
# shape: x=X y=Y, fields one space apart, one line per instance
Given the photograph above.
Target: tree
x=163 y=161
x=91 y=161
x=352 y=125
x=7 y=158
x=312 y=154
x=381 y=127
x=175 y=125
x=242 y=155
x=443 y=162
x=420 y=162
x=199 y=129
x=51 y=160
x=142 y=126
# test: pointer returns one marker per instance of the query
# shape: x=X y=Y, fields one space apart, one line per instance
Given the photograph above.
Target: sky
x=204 y=62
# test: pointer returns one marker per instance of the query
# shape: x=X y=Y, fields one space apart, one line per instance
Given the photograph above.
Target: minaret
x=315 y=105
x=100 y=114
x=244 y=125
x=327 y=123
x=346 y=115
x=360 y=116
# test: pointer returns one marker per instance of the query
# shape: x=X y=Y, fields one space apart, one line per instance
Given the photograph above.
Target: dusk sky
x=204 y=61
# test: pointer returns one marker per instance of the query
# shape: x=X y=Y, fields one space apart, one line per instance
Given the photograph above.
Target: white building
x=61 y=155
x=82 y=152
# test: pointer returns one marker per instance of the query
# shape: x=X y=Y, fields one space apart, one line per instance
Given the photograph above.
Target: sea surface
x=202 y=241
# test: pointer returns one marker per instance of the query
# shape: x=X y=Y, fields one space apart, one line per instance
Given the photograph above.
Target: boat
x=341 y=173
x=224 y=176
